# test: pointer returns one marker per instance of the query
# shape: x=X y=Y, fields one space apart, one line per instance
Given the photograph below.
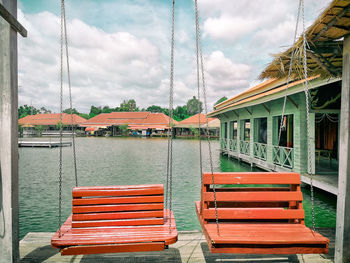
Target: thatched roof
x=325 y=45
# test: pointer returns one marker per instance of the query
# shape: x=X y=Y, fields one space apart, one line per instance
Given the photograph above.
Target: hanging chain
x=200 y=53
x=306 y=91
x=289 y=75
x=60 y=125
x=169 y=178
x=199 y=101
x=70 y=95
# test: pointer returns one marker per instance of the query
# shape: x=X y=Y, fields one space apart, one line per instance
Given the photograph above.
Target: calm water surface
x=113 y=161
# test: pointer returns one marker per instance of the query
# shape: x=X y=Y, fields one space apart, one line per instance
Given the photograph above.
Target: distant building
x=48 y=124
x=128 y=123
x=189 y=127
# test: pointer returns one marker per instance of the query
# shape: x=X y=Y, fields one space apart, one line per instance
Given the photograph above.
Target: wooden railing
x=244 y=147
x=232 y=145
x=283 y=156
x=223 y=144
x=259 y=150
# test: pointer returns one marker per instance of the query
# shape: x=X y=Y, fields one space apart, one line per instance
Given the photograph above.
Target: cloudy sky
x=120 y=49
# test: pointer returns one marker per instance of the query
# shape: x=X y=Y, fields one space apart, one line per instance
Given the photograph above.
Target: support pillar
x=269 y=150
x=9 y=230
x=342 y=239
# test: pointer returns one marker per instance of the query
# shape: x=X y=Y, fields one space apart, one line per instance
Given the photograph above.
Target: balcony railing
x=244 y=147
x=223 y=144
x=233 y=145
x=259 y=150
x=283 y=156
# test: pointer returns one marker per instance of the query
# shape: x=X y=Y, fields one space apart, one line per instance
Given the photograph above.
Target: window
x=260 y=128
x=233 y=130
x=287 y=128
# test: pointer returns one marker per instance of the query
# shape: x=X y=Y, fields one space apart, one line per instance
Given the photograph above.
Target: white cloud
x=227 y=28
x=125 y=53
x=105 y=67
x=223 y=77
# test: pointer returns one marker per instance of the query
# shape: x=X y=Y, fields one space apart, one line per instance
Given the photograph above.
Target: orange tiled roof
x=140 y=119
x=194 y=119
x=50 y=119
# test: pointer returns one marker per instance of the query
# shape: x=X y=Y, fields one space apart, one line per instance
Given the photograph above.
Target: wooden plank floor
x=191 y=247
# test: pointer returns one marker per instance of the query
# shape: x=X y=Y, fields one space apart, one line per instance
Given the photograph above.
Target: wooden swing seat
x=113 y=219
x=268 y=219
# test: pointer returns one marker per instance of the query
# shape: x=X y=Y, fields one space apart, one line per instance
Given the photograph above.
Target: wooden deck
x=43 y=144
x=191 y=247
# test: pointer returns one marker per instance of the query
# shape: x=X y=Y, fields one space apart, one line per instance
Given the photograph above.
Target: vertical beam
x=8 y=139
x=342 y=239
x=269 y=150
x=239 y=131
x=251 y=139
x=312 y=141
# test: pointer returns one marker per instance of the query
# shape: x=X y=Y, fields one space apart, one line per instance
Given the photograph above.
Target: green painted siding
x=272 y=110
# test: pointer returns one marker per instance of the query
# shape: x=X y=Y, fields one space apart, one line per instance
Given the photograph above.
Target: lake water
x=118 y=161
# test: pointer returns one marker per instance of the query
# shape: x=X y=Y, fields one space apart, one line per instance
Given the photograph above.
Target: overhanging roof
x=268 y=91
x=325 y=41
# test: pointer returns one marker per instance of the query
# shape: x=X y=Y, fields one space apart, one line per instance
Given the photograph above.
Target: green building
x=251 y=129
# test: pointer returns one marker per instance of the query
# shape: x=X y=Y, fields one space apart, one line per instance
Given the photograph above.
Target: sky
x=120 y=49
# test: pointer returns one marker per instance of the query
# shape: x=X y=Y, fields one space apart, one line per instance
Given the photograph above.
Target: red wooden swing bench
x=113 y=219
x=268 y=219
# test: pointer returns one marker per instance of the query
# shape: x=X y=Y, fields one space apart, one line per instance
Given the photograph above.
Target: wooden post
x=342 y=239
x=9 y=235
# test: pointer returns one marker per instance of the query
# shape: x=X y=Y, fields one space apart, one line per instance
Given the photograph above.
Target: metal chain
x=289 y=75
x=70 y=96
x=200 y=53
x=199 y=103
x=306 y=91
x=60 y=124
x=169 y=178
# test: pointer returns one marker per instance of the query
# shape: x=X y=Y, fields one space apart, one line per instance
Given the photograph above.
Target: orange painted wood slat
x=254 y=213
x=271 y=250
x=125 y=222
x=119 y=187
x=117 y=192
x=251 y=189
x=252 y=178
x=117 y=215
x=114 y=208
x=268 y=196
x=119 y=200
x=115 y=235
x=99 y=249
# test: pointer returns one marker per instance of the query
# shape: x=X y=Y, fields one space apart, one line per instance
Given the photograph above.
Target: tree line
x=179 y=113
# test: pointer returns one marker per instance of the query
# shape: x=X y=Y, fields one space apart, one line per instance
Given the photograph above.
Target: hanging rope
x=306 y=91
x=200 y=55
x=169 y=177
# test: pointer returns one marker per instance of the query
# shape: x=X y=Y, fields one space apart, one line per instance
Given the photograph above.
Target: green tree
x=39 y=129
x=220 y=100
x=155 y=108
x=124 y=129
x=94 y=111
x=74 y=111
x=44 y=110
x=128 y=105
x=27 y=110
x=180 y=113
x=192 y=106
